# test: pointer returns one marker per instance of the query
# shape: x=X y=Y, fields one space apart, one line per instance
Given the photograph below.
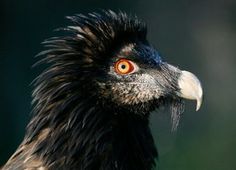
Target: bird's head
x=108 y=58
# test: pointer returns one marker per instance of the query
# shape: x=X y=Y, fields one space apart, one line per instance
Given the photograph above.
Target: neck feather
x=88 y=137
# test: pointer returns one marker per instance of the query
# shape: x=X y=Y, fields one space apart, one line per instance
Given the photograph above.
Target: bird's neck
x=93 y=138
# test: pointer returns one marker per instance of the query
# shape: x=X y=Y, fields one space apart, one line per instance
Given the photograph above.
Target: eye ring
x=125 y=66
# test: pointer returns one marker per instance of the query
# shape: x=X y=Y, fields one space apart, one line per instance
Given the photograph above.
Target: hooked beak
x=190 y=88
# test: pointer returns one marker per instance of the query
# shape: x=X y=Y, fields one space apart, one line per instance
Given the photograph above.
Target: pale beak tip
x=197 y=108
x=199 y=103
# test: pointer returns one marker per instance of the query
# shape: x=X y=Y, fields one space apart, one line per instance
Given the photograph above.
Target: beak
x=190 y=88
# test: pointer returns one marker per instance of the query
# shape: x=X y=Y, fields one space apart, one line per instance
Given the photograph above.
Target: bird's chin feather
x=176 y=109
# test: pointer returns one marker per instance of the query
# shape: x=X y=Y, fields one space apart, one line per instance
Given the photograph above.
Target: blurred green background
x=199 y=36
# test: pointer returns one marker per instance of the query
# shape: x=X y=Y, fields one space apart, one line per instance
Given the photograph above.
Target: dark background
x=199 y=36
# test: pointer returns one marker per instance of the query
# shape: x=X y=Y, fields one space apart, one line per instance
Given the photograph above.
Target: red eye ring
x=124 y=66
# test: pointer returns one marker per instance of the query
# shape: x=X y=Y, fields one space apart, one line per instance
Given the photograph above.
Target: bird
x=92 y=103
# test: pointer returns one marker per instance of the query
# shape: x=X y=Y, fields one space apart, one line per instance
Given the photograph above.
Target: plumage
x=86 y=115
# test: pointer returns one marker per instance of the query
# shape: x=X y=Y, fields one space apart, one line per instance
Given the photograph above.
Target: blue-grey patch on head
x=157 y=58
x=149 y=55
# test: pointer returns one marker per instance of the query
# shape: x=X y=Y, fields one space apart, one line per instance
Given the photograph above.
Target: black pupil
x=123 y=66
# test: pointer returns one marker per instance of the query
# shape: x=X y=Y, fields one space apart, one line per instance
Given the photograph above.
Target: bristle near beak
x=190 y=88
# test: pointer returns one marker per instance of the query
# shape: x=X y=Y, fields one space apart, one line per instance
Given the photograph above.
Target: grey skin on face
x=151 y=78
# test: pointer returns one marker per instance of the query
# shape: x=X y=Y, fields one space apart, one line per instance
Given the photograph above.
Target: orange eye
x=124 y=66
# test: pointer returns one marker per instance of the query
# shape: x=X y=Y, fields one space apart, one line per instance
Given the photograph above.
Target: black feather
x=82 y=130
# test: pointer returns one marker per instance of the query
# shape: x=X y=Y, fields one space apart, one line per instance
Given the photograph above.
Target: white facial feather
x=142 y=89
